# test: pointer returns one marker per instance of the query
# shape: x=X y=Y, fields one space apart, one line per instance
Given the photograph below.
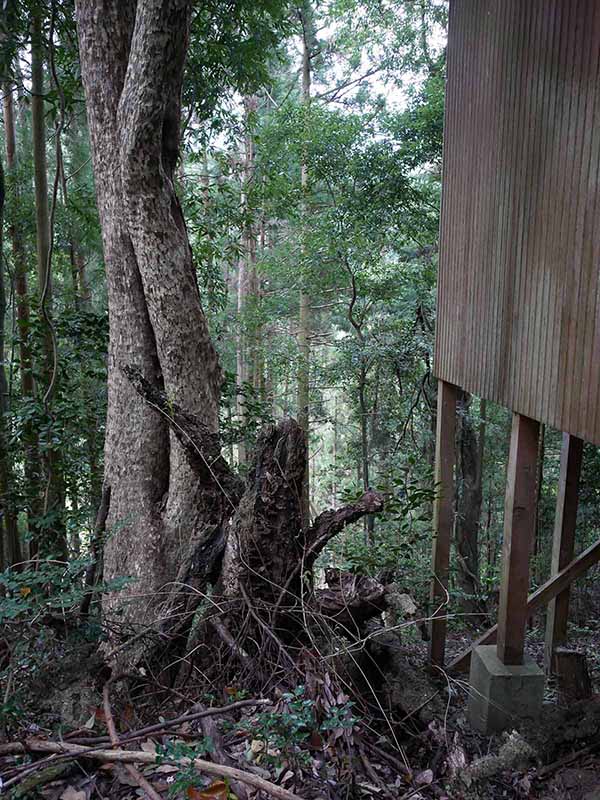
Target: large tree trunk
x=132 y=57
x=172 y=494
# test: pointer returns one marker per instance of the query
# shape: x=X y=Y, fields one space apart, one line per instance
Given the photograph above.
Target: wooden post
x=563 y=545
x=443 y=517
x=519 y=529
x=541 y=597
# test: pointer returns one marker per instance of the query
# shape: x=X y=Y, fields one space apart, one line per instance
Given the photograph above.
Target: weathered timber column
x=563 y=546
x=443 y=517
x=505 y=684
x=519 y=522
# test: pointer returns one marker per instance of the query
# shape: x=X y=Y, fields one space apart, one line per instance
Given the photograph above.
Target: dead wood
x=268 y=550
x=219 y=755
x=114 y=738
x=266 y=539
x=350 y=600
x=231 y=643
x=573 y=676
x=332 y=521
x=568 y=759
x=262 y=556
x=196 y=713
x=74 y=751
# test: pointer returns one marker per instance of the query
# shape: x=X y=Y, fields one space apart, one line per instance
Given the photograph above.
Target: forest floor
x=567 y=741
x=434 y=755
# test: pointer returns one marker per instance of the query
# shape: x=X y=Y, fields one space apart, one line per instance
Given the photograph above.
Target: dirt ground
x=567 y=739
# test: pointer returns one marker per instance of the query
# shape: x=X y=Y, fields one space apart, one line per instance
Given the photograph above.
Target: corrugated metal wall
x=519 y=291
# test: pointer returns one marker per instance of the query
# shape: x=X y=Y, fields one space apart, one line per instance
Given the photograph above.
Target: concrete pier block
x=501 y=695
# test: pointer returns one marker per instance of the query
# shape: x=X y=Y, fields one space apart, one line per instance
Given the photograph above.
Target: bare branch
x=202 y=447
x=331 y=522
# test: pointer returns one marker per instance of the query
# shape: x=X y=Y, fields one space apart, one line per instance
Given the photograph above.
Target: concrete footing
x=501 y=695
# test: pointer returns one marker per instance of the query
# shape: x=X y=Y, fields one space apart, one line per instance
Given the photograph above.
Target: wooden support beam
x=443 y=517
x=541 y=597
x=519 y=530
x=563 y=546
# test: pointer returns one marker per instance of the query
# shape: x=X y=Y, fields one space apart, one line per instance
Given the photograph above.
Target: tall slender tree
x=32 y=493
x=246 y=289
x=54 y=539
x=10 y=550
x=304 y=322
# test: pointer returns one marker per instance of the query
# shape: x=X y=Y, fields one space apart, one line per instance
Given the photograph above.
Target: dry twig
x=160 y=727
x=114 y=738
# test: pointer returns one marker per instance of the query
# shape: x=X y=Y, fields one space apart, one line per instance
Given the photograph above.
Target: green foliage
x=230 y=49
x=283 y=733
x=402 y=534
x=44 y=587
x=43 y=638
x=187 y=776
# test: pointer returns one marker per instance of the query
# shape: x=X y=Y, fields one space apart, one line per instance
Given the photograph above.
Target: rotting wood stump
x=256 y=564
x=572 y=675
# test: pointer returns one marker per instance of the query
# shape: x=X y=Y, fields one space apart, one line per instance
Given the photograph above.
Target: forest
x=219 y=240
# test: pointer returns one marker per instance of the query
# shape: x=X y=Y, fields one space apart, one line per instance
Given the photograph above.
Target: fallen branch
x=33 y=745
x=219 y=755
x=231 y=643
x=159 y=727
x=324 y=528
x=568 y=759
x=350 y=599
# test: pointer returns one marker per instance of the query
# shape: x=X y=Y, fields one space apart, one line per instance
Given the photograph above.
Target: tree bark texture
x=172 y=494
x=132 y=58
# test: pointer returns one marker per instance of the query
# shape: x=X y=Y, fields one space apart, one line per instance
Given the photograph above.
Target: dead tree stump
x=256 y=560
x=573 y=677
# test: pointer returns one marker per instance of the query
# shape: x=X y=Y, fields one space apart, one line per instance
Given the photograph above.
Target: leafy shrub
x=43 y=638
x=284 y=732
